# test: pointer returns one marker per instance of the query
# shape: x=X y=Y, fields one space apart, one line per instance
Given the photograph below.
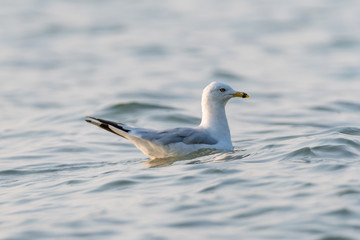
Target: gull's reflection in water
x=198 y=157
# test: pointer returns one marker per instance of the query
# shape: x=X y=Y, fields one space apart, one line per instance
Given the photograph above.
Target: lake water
x=294 y=173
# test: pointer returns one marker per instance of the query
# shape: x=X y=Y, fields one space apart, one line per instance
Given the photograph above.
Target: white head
x=217 y=92
x=214 y=98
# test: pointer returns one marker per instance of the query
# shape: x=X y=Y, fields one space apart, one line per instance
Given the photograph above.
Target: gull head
x=217 y=92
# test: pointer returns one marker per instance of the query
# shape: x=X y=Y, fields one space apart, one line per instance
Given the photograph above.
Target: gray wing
x=185 y=135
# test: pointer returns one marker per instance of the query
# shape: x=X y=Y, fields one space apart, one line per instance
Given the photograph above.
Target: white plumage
x=212 y=133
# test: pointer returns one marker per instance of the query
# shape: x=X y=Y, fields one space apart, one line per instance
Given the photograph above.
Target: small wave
x=350 y=131
x=305 y=152
x=335 y=237
x=218 y=171
x=321 y=152
x=178 y=118
x=11 y=172
x=334 y=150
x=62 y=30
x=348 y=106
x=115 y=185
x=74 y=182
x=226 y=75
x=348 y=191
x=26 y=172
x=342 y=212
x=330 y=167
x=134 y=107
x=46 y=169
x=344 y=43
x=196 y=224
x=261 y=211
x=337 y=106
x=151 y=51
x=223 y=184
x=324 y=108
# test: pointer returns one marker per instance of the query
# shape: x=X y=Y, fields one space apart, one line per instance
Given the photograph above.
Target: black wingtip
x=92 y=118
x=104 y=124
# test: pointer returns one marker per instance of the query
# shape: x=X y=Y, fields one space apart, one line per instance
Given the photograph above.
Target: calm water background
x=294 y=173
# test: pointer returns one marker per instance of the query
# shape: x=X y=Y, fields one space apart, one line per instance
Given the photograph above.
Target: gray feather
x=185 y=135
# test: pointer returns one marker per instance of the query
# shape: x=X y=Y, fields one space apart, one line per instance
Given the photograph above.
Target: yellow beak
x=241 y=94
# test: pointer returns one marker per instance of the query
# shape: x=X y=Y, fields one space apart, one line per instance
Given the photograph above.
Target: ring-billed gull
x=212 y=133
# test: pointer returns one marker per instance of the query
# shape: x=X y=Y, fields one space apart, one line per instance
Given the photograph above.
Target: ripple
x=218 y=171
x=55 y=30
x=151 y=51
x=185 y=207
x=350 y=131
x=272 y=146
x=260 y=211
x=350 y=143
x=40 y=169
x=336 y=237
x=339 y=151
x=178 y=118
x=74 y=182
x=324 y=108
x=223 y=184
x=11 y=172
x=344 y=43
x=337 y=106
x=136 y=106
x=330 y=167
x=226 y=75
x=348 y=105
x=26 y=172
x=34 y=234
x=305 y=152
x=133 y=107
x=70 y=149
x=343 y=212
x=145 y=177
x=348 y=191
x=196 y=224
x=115 y=185
x=322 y=152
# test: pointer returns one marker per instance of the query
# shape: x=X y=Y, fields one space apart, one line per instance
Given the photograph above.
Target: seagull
x=212 y=133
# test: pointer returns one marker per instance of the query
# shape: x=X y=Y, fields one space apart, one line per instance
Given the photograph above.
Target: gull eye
x=222 y=89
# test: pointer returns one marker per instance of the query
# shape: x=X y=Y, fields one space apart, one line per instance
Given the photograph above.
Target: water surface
x=294 y=172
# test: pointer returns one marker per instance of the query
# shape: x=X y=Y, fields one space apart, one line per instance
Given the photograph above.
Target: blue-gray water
x=294 y=173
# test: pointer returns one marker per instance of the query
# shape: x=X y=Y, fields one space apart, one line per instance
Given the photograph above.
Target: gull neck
x=214 y=118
